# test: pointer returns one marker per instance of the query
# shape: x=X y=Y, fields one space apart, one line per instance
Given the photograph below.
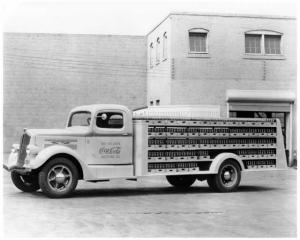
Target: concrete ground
x=264 y=206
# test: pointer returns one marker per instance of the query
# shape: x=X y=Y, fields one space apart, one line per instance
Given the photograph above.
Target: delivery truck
x=102 y=142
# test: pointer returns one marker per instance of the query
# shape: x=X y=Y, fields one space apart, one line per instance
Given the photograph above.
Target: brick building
x=245 y=64
x=45 y=75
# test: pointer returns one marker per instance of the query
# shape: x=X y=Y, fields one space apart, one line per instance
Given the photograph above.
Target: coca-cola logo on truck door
x=110 y=150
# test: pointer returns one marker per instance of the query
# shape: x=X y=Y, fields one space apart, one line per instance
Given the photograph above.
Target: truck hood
x=71 y=131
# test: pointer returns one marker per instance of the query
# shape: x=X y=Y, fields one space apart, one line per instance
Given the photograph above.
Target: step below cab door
x=111 y=142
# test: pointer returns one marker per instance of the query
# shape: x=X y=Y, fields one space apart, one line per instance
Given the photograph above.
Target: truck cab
x=109 y=141
x=97 y=144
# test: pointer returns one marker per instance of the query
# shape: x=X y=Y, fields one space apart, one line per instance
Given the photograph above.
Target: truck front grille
x=25 y=139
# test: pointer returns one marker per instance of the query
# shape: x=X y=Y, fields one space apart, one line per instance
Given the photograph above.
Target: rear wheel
x=58 y=178
x=228 y=177
x=181 y=181
x=26 y=183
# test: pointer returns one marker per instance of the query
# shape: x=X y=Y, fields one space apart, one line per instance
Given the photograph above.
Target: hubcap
x=229 y=175
x=59 y=177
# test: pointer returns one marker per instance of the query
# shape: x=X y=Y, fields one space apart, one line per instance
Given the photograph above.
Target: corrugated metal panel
x=259 y=107
x=236 y=95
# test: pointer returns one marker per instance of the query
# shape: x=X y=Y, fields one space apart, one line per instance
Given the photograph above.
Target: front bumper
x=11 y=164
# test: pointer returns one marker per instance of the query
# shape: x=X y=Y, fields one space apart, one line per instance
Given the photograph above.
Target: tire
x=211 y=183
x=181 y=181
x=26 y=183
x=58 y=178
x=228 y=177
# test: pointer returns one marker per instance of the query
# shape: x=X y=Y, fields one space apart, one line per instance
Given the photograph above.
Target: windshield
x=80 y=119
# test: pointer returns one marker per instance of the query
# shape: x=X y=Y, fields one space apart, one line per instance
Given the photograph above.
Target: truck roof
x=95 y=107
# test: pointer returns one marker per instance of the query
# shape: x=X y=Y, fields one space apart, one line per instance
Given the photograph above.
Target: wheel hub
x=227 y=175
x=60 y=178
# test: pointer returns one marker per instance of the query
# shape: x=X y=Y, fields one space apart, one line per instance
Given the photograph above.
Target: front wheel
x=181 y=181
x=58 y=178
x=26 y=183
x=227 y=179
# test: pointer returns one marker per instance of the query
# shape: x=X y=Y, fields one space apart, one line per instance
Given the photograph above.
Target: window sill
x=198 y=55
x=264 y=56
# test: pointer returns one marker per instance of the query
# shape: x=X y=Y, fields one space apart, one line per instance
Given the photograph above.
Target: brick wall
x=45 y=75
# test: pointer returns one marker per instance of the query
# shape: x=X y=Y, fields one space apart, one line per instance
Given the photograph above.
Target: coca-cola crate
x=248 y=124
x=243 y=145
x=233 y=134
x=193 y=169
x=170 y=170
x=193 y=131
x=271 y=145
x=182 y=122
x=156 y=122
x=156 y=159
x=244 y=134
x=193 y=146
x=206 y=157
x=205 y=146
x=192 y=158
x=253 y=145
x=182 y=169
x=263 y=134
x=191 y=123
x=156 y=147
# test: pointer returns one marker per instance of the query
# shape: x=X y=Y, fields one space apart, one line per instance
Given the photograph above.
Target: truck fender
x=45 y=154
x=214 y=167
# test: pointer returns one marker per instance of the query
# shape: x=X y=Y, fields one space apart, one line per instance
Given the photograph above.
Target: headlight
x=15 y=148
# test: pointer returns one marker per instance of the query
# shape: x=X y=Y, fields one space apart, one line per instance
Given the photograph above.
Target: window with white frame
x=157 y=50
x=165 y=46
x=151 y=55
x=272 y=44
x=198 y=40
x=263 y=42
x=253 y=43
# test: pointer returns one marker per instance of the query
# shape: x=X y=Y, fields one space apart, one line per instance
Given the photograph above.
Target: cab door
x=112 y=140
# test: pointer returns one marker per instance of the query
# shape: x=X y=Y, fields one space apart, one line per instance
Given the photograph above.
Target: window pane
x=109 y=120
x=252 y=43
x=151 y=54
x=165 y=46
x=197 y=42
x=80 y=119
x=272 y=44
x=157 y=49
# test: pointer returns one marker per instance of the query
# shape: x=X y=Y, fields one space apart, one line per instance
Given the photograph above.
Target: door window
x=109 y=120
x=82 y=118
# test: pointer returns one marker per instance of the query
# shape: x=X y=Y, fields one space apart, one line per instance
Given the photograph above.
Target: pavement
x=264 y=206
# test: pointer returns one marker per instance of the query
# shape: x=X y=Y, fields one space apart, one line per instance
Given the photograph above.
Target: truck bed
x=189 y=145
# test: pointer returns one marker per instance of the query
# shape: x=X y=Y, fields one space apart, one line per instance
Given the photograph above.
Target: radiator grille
x=25 y=139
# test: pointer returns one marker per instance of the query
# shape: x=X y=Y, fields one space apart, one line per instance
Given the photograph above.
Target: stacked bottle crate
x=190 y=145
